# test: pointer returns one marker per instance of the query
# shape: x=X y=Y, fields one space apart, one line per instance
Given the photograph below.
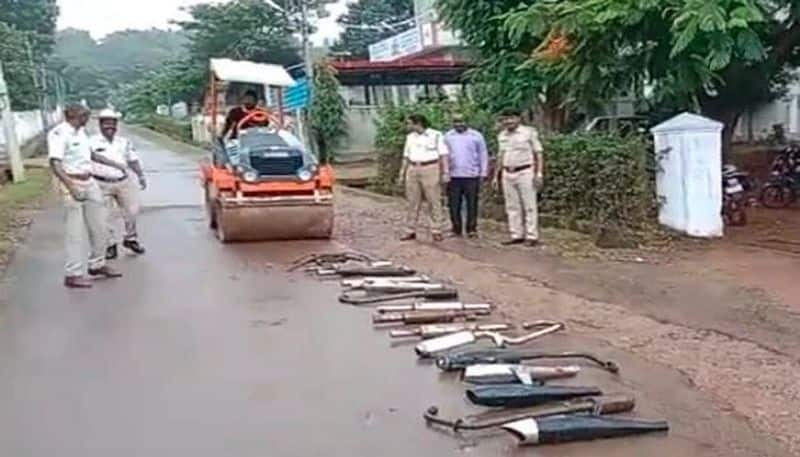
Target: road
x=211 y=350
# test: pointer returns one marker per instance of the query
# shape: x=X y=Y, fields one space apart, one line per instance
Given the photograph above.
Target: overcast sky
x=101 y=17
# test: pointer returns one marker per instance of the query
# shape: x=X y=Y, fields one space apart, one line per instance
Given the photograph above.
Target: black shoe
x=134 y=246
x=111 y=252
x=513 y=241
x=532 y=243
x=105 y=272
x=408 y=237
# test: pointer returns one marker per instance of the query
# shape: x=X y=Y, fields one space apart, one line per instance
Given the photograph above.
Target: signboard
x=400 y=45
x=296 y=97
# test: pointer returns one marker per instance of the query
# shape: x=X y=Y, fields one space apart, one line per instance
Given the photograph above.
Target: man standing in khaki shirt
x=520 y=168
x=425 y=169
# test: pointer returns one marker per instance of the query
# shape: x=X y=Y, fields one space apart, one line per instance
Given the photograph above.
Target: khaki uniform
x=518 y=151
x=423 y=152
x=121 y=193
x=81 y=218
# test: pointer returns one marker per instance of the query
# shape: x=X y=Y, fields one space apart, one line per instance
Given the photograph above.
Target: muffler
x=563 y=429
x=424 y=317
x=615 y=404
x=516 y=374
x=433 y=330
x=436 y=294
x=312 y=261
x=360 y=283
x=461 y=360
x=435 y=306
x=383 y=269
x=520 y=395
x=434 y=346
x=391 y=287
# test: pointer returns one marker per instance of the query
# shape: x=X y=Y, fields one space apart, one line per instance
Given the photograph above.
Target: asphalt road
x=211 y=350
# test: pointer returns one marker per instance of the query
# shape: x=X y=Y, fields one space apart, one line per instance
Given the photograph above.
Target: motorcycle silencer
x=562 y=429
x=522 y=395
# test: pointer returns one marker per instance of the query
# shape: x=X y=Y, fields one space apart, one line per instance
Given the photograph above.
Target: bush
x=592 y=182
x=173 y=128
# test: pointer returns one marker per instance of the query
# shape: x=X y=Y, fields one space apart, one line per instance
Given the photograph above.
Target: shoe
x=408 y=237
x=532 y=243
x=77 y=282
x=454 y=234
x=513 y=241
x=111 y=252
x=134 y=246
x=106 y=272
x=472 y=235
x=438 y=237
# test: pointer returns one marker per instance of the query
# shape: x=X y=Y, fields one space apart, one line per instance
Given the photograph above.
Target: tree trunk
x=729 y=116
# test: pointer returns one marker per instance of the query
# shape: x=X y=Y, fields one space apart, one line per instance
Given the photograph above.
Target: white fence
x=28 y=125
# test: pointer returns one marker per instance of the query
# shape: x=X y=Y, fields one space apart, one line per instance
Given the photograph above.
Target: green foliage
x=596 y=181
x=723 y=56
x=361 y=24
x=606 y=180
x=327 y=111
x=26 y=38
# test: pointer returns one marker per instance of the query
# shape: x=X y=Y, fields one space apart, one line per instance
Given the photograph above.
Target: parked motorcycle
x=783 y=185
x=736 y=185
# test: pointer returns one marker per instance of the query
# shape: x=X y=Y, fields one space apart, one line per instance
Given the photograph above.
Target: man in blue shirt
x=469 y=163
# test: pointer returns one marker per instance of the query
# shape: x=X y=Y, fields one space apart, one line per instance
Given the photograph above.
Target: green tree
x=327 y=111
x=718 y=56
x=362 y=24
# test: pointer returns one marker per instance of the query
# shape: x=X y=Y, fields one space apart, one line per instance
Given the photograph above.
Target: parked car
x=625 y=125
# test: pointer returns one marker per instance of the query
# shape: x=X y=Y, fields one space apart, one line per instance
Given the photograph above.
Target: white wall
x=28 y=125
x=784 y=111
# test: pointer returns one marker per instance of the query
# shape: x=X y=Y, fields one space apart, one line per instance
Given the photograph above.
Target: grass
x=16 y=201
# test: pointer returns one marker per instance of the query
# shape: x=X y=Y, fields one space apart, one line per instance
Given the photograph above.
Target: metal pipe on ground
x=434 y=330
x=434 y=346
x=564 y=429
x=460 y=360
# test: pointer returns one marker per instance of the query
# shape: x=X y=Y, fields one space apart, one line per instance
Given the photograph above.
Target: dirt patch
x=676 y=314
x=18 y=202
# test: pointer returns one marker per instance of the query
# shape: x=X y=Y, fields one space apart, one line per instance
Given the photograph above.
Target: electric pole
x=12 y=145
x=306 y=41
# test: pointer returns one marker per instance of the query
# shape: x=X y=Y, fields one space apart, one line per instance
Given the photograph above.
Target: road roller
x=264 y=184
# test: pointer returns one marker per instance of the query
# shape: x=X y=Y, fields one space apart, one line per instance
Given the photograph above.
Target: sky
x=101 y=17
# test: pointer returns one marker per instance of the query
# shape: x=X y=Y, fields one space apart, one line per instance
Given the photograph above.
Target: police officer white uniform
x=121 y=190
x=84 y=211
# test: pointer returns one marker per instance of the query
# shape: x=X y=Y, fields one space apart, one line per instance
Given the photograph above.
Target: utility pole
x=12 y=146
x=306 y=41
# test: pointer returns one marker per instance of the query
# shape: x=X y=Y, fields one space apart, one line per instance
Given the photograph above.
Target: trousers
x=460 y=191
x=423 y=188
x=521 y=204
x=122 y=203
x=82 y=219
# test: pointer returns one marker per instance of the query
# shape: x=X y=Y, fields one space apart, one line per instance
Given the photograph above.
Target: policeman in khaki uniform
x=521 y=165
x=120 y=189
x=84 y=211
x=425 y=169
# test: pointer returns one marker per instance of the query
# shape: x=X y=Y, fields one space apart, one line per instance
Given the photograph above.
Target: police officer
x=71 y=162
x=521 y=173
x=120 y=189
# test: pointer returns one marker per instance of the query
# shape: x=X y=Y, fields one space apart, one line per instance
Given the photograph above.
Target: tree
x=362 y=24
x=26 y=38
x=719 y=56
x=502 y=79
x=327 y=111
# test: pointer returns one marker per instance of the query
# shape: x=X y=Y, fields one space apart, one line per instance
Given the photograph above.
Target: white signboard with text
x=400 y=45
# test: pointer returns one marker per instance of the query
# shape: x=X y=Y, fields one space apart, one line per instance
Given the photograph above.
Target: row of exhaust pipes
x=457 y=338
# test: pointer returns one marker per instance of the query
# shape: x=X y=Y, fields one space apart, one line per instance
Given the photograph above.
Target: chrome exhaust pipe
x=613 y=404
x=400 y=287
x=360 y=283
x=435 y=294
x=432 y=331
x=435 y=306
x=431 y=347
x=424 y=317
x=461 y=360
x=563 y=429
x=516 y=373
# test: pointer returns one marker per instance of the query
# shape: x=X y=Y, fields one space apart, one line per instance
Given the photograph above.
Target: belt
x=516 y=169
x=79 y=176
x=425 y=163
x=109 y=180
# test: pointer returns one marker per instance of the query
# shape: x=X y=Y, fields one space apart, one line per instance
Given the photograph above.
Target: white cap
x=108 y=114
